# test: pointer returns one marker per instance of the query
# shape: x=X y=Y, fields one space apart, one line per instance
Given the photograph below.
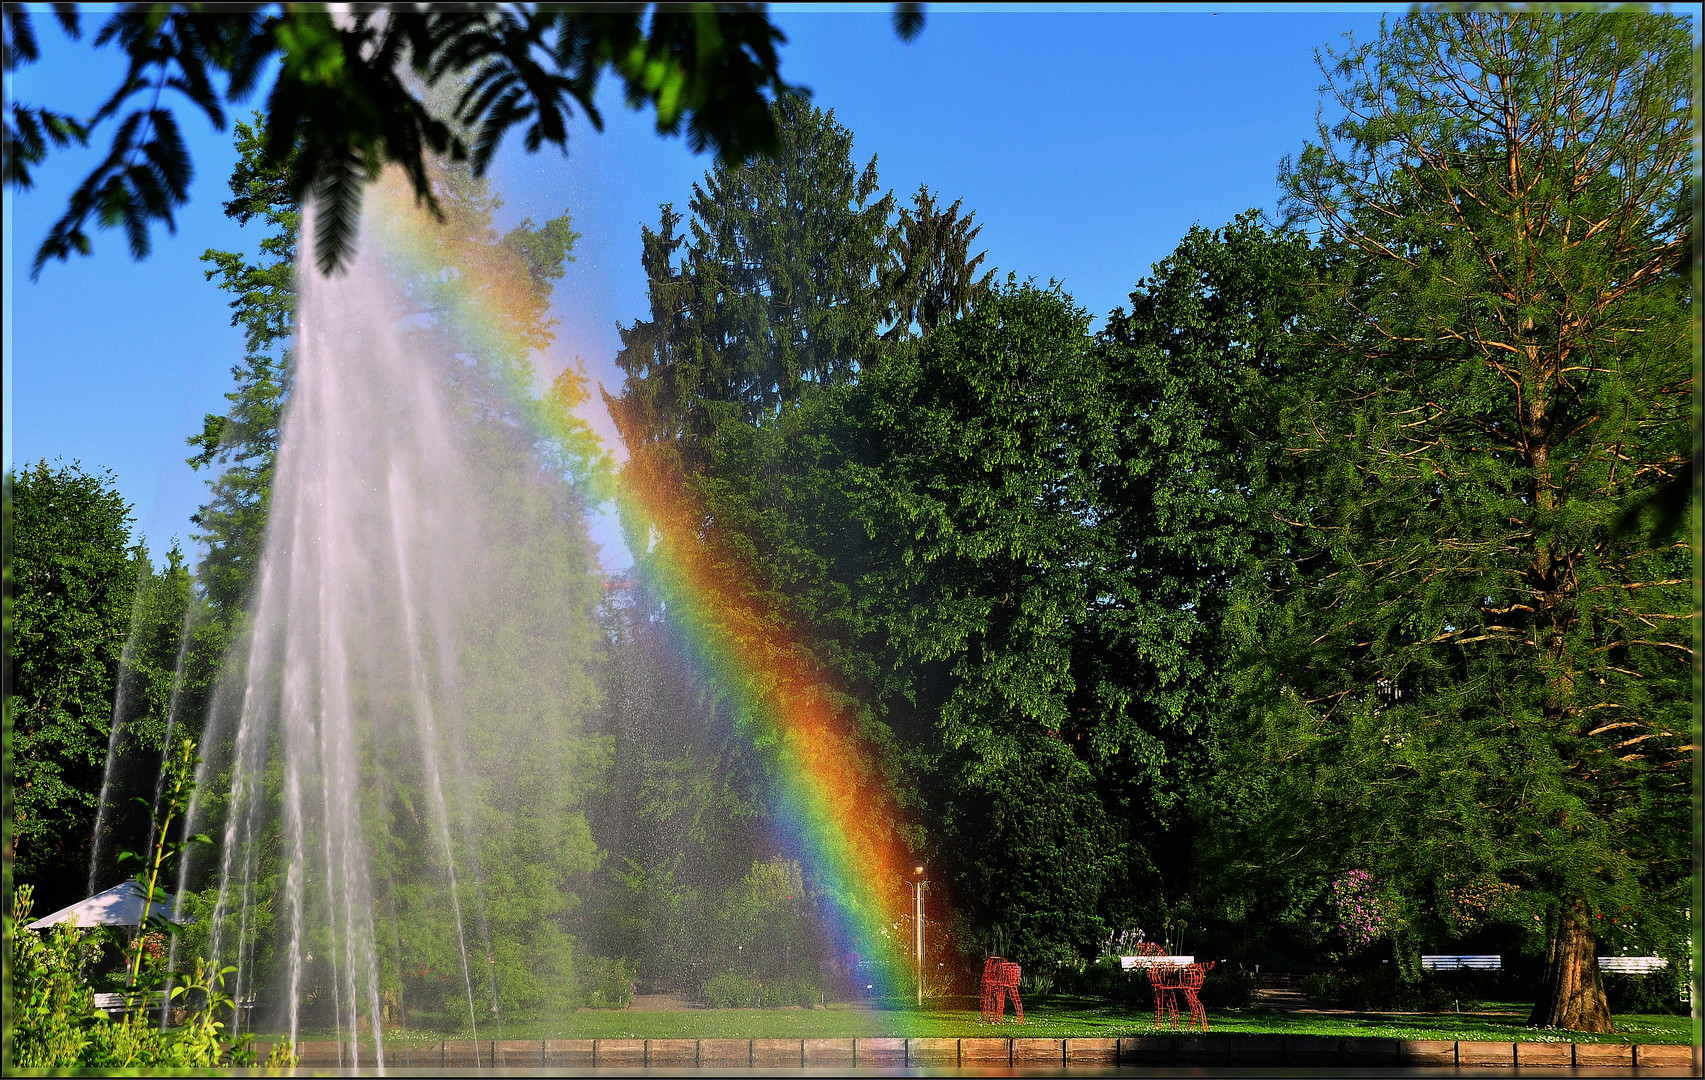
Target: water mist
x=397 y=766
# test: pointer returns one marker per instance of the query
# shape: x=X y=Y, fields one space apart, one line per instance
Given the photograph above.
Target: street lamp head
x=918 y=871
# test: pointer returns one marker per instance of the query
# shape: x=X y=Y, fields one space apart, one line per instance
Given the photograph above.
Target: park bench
x=1456 y=962
x=1148 y=960
x=118 y=1003
x=1631 y=965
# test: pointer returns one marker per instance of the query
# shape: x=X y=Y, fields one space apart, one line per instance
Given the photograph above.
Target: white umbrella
x=120 y=905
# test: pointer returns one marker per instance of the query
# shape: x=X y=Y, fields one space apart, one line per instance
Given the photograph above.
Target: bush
x=1321 y=986
x=52 y=1009
x=1660 y=992
x=1033 y=983
x=734 y=991
x=1229 y=986
x=1104 y=978
x=1381 y=989
x=607 y=983
x=55 y=1027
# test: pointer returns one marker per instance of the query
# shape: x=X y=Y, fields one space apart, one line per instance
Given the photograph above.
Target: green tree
x=347 y=100
x=683 y=792
x=759 y=313
x=975 y=482
x=74 y=582
x=1037 y=857
x=1196 y=368
x=1002 y=538
x=243 y=442
x=527 y=832
x=776 y=290
x=931 y=274
x=1480 y=673
x=166 y=671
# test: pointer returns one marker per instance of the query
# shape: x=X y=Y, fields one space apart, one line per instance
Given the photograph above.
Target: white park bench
x=1460 y=962
x=1130 y=963
x=1616 y=965
x=1632 y=965
x=116 y=1003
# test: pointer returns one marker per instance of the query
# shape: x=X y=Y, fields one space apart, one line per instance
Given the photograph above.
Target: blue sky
x=1086 y=141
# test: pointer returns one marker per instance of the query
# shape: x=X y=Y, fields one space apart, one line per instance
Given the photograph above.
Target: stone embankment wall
x=1244 y=1050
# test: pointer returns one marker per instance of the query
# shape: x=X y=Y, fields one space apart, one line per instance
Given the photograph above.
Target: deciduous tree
x=74 y=580
x=347 y=101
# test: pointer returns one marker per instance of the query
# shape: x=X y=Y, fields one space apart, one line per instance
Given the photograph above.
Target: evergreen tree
x=244 y=441
x=931 y=276
x=767 y=305
x=1481 y=675
x=776 y=290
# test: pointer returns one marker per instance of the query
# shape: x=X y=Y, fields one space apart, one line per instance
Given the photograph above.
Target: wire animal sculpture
x=1000 y=977
x=1167 y=980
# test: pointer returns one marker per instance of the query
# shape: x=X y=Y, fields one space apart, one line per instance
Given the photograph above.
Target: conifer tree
x=931 y=275
x=1483 y=675
x=244 y=441
x=764 y=310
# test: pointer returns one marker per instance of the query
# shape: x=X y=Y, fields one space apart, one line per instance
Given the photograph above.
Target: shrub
x=55 y=1027
x=1037 y=983
x=730 y=990
x=1380 y=989
x=607 y=983
x=1104 y=978
x=1660 y=992
x=1229 y=986
x=1321 y=986
x=1364 y=914
x=52 y=1009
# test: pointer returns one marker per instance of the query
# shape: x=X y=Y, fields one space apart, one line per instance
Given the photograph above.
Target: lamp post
x=918 y=925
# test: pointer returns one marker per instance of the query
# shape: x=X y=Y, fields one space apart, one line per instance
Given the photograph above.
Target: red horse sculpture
x=1000 y=977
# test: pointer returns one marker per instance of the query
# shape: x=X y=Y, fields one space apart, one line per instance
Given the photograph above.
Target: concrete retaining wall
x=1244 y=1050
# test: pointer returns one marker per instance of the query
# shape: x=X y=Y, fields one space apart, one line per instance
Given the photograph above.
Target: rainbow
x=832 y=797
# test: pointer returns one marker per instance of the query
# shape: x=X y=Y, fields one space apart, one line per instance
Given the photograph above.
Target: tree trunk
x=1572 y=995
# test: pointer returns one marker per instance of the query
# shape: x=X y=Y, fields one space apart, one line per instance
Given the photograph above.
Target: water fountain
x=397 y=771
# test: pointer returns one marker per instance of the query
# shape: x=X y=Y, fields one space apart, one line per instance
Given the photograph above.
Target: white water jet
x=400 y=830
x=115 y=733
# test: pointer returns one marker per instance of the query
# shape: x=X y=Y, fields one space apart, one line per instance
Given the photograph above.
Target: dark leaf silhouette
x=348 y=95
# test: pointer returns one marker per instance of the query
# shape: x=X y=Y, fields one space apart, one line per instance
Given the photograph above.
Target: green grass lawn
x=1048 y=1018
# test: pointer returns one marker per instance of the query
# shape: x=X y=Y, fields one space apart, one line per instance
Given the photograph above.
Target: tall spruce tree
x=1482 y=676
x=776 y=289
x=931 y=275
x=762 y=311
x=743 y=418
x=244 y=441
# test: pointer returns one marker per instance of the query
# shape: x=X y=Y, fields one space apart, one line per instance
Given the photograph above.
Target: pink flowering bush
x=1363 y=915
